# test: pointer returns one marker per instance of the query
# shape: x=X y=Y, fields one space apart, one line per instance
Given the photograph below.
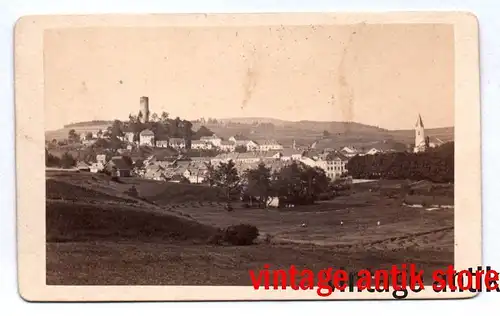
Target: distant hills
x=304 y=132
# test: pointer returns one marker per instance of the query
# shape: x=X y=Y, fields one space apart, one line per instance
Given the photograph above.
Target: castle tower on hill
x=420 y=144
x=144 y=110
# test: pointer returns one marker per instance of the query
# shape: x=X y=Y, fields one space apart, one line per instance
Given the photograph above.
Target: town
x=153 y=180
x=147 y=147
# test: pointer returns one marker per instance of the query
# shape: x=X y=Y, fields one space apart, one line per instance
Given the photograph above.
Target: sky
x=381 y=75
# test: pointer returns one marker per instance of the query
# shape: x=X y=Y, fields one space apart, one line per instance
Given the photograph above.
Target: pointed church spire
x=419 y=122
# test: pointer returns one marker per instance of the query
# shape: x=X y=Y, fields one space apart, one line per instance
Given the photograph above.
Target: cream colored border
x=29 y=96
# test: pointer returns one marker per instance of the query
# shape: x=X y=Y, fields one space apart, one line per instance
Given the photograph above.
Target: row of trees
x=435 y=164
x=295 y=183
x=162 y=126
x=66 y=161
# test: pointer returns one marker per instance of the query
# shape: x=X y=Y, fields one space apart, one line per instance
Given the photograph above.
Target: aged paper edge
x=29 y=102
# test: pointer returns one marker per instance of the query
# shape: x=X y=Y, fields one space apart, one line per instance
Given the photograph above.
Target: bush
x=242 y=234
x=228 y=207
x=67 y=161
x=133 y=191
x=217 y=238
x=239 y=235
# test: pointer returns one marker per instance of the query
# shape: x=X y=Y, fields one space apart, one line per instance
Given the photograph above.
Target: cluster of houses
x=147 y=138
x=177 y=168
x=194 y=169
x=118 y=165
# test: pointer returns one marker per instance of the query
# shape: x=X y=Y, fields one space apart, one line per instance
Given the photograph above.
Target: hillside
x=98 y=235
x=62 y=133
x=83 y=207
x=303 y=132
x=252 y=120
x=445 y=134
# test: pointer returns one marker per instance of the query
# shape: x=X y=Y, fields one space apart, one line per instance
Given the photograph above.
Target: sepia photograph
x=190 y=155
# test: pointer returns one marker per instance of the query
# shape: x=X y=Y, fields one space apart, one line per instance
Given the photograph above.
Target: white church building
x=422 y=142
x=420 y=145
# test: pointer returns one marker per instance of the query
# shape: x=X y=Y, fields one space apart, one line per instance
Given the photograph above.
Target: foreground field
x=161 y=238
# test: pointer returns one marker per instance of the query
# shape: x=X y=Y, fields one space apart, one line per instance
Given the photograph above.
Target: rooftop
x=176 y=140
x=268 y=142
x=147 y=132
x=120 y=163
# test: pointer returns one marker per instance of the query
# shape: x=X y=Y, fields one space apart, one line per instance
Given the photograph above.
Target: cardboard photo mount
x=29 y=103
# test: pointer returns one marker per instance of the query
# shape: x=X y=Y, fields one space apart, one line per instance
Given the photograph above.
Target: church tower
x=419 y=136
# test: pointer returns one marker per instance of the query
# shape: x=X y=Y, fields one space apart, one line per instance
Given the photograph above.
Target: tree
x=316 y=182
x=67 y=161
x=115 y=143
x=88 y=136
x=51 y=160
x=116 y=129
x=240 y=149
x=176 y=127
x=226 y=178
x=135 y=126
x=187 y=132
x=203 y=131
x=160 y=130
x=435 y=164
x=155 y=118
x=287 y=183
x=259 y=184
x=102 y=143
x=209 y=179
x=128 y=161
x=132 y=119
x=326 y=133
x=72 y=136
x=164 y=117
x=299 y=184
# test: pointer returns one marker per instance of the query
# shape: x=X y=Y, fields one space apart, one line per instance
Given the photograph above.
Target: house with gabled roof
x=269 y=144
x=227 y=146
x=177 y=143
x=373 y=151
x=82 y=166
x=349 y=151
x=147 y=138
x=119 y=167
x=200 y=144
x=214 y=139
x=291 y=154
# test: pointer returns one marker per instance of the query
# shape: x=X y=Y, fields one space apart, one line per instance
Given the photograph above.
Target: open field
x=62 y=133
x=161 y=238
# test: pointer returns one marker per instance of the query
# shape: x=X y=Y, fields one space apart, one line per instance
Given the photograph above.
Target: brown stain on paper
x=250 y=79
x=345 y=92
x=249 y=84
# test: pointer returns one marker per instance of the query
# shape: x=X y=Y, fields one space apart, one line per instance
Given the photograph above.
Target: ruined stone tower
x=144 y=109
